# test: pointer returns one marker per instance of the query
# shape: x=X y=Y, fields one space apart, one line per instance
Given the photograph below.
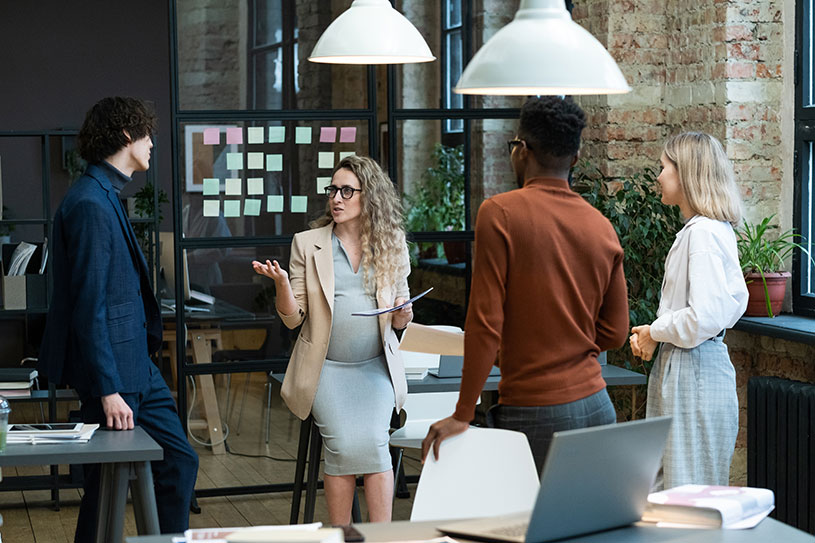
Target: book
x=731 y=507
x=10 y=393
x=219 y=535
x=15 y=385
x=17 y=374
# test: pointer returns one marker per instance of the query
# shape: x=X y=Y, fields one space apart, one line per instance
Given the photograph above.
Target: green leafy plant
x=760 y=253
x=144 y=209
x=437 y=202
x=75 y=164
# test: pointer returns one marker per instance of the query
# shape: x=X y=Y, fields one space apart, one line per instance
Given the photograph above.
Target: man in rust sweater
x=548 y=292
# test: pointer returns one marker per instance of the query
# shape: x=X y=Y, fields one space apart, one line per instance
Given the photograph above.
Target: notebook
x=594 y=479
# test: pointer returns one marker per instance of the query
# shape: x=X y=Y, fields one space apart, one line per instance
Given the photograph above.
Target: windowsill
x=789 y=327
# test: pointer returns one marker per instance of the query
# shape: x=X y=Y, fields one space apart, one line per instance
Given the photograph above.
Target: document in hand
x=447 y=340
x=730 y=507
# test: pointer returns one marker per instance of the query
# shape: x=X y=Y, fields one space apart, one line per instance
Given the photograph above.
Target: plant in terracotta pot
x=762 y=259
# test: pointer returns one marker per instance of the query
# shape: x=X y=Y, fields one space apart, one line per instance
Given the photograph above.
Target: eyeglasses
x=346 y=192
x=513 y=143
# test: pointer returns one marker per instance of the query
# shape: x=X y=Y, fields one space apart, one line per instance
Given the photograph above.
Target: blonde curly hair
x=382 y=229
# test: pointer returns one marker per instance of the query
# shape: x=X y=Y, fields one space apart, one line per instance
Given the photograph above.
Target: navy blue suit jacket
x=103 y=320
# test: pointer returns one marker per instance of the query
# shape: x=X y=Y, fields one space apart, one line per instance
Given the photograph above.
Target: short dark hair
x=551 y=126
x=103 y=132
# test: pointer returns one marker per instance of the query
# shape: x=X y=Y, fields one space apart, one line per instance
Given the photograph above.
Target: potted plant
x=437 y=203
x=762 y=261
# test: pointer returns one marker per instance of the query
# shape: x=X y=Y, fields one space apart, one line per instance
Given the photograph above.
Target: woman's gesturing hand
x=272 y=270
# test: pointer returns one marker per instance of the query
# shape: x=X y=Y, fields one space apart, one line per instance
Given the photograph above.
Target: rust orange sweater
x=548 y=294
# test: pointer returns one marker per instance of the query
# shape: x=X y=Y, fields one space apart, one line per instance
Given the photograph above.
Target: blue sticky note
x=234 y=161
x=274 y=163
x=302 y=134
x=277 y=134
x=274 y=203
x=298 y=204
x=212 y=186
x=232 y=208
x=251 y=207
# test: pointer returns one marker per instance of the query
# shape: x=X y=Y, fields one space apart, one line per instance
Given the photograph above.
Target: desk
x=769 y=531
x=124 y=456
x=309 y=433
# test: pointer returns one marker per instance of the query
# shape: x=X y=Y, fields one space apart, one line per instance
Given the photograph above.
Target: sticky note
x=277 y=134
x=212 y=208
x=325 y=160
x=254 y=134
x=251 y=207
x=344 y=154
x=234 y=135
x=274 y=163
x=298 y=204
x=302 y=134
x=254 y=161
x=274 y=203
x=212 y=136
x=254 y=185
x=234 y=161
x=211 y=186
x=322 y=183
x=233 y=187
x=328 y=134
x=348 y=134
x=232 y=208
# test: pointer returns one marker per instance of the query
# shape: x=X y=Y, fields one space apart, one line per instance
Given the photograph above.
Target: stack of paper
x=729 y=507
x=16 y=382
x=20 y=257
x=220 y=535
x=82 y=435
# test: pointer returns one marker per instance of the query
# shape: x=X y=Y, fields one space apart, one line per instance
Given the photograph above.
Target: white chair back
x=482 y=472
x=423 y=409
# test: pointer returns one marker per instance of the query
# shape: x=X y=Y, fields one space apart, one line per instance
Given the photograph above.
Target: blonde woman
x=703 y=293
x=346 y=370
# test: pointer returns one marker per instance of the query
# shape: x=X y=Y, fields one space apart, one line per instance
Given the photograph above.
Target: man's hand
x=439 y=431
x=118 y=414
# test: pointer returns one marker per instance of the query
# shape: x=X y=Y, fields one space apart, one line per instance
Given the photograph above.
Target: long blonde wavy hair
x=382 y=230
x=706 y=176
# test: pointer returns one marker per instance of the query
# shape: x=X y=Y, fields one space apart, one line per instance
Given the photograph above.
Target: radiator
x=781 y=446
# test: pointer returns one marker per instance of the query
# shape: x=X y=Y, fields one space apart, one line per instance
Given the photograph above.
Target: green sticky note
x=274 y=203
x=274 y=163
x=277 y=134
x=302 y=134
x=298 y=204
x=325 y=160
x=212 y=208
x=233 y=187
x=251 y=207
x=344 y=154
x=254 y=185
x=234 y=161
x=254 y=134
x=254 y=161
x=232 y=208
x=212 y=186
x=322 y=183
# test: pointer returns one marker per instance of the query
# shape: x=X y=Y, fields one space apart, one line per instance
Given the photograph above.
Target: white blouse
x=703 y=291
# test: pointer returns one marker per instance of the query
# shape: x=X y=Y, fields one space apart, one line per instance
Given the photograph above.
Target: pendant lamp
x=371 y=32
x=542 y=51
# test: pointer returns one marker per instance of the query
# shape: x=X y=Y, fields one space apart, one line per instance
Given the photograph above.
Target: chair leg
x=268 y=409
x=243 y=400
x=356 y=514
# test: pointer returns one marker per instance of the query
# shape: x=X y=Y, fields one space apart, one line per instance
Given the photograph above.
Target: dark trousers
x=540 y=422
x=173 y=478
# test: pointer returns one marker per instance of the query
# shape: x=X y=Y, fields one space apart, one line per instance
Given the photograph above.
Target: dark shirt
x=117 y=178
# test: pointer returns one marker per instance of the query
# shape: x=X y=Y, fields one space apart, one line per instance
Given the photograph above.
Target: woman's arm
x=291 y=299
x=402 y=318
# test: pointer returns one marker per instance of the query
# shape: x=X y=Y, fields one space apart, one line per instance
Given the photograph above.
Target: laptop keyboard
x=510 y=530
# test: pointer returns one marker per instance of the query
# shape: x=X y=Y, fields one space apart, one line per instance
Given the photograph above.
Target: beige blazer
x=311 y=273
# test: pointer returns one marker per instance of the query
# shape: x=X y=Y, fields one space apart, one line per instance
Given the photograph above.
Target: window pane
x=268 y=22
x=241 y=181
x=807 y=168
x=269 y=79
x=808 y=53
x=453 y=13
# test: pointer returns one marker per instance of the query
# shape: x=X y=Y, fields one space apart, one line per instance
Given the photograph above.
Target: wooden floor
x=29 y=516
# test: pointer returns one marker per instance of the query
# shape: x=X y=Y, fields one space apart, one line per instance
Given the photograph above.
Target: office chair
x=482 y=472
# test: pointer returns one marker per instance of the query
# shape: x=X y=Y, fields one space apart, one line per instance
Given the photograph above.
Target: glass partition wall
x=258 y=129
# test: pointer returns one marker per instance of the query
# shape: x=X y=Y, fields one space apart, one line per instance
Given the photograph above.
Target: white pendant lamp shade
x=371 y=32
x=542 y=51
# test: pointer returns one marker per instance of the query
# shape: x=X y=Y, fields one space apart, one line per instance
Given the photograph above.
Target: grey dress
x=355 y=397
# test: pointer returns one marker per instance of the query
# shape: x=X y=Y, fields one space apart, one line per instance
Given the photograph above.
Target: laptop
x=593 y=479
x=450 y=366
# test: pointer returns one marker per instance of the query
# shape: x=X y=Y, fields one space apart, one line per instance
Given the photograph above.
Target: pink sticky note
x=328 y=134
x=348 y=134
x=212 y=136
x=234 y=135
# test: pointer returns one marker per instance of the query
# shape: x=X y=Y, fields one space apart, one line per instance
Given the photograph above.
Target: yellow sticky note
x=251 y=207
x=322 y=183
x=234 y=161
x=254 y=185
x=212 y=208
x=325 y=160
x=274 y=163
x=302 y=134
x=254 y=161
x=254 y=134
x=298 y=204
x=277 y=134
x=274 y=203
x=233 y=187
x=211 y=186
x=232 y=208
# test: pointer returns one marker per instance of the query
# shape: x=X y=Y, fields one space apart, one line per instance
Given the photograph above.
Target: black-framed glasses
x=513 y=143
x=346 y=192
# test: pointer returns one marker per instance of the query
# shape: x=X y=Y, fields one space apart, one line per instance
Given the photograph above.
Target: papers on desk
x=438 y=340
x=220 y=535
x=36 y=437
